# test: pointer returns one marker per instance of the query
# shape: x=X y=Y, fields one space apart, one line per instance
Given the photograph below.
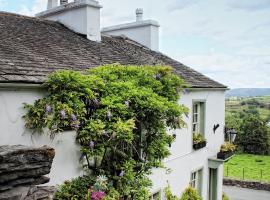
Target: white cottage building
x=68 y=36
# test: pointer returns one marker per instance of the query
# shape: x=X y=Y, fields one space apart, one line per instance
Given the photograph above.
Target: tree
x=253 y=135
x=120 y=114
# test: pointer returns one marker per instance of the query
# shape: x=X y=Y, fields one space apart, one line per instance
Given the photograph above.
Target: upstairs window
x=198 y=117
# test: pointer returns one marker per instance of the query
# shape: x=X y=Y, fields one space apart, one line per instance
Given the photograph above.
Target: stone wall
x=247 y=184
x=21 y=169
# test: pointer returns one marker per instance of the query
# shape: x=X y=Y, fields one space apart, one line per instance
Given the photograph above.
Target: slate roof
x=31 y=48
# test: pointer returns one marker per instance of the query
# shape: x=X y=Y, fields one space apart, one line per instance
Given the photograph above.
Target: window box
x=226 y=151
x=199 y=145
x=224 y=155
x=198 y=141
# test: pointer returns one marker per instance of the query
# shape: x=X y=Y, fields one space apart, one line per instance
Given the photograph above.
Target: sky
x=227 y=40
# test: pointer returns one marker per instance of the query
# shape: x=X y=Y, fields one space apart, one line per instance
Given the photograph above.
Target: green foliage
x=190 y=194
x=227 y=147
x=198 y=138
x=225 y=197
x=75 y=189
x=120 y=114
x=253 y=135
x=168 y=193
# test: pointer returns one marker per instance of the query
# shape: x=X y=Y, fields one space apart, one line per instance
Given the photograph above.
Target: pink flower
x=99 y=195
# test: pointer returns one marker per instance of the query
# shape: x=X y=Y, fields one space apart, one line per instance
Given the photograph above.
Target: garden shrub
x=120 y=114
x=253 y=135
x=168 y=193
x=190 y=194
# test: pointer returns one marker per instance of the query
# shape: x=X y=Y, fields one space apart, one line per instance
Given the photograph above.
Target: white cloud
x=38 y=6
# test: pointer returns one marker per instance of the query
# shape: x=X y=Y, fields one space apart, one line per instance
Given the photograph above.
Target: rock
x=29 y=193
x=21 y=168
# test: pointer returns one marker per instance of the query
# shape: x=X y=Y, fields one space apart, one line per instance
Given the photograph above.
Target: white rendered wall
x=184 y=159
x=66 y=163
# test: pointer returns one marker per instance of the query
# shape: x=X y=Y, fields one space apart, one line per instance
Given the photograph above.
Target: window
x=198 y=117
x=156 y=196
x=196 y=180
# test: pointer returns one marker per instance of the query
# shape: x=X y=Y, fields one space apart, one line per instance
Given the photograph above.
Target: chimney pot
x=139 y=14
x=62 y=2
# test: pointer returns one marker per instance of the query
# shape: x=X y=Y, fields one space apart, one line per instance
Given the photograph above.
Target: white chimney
x=81 y=16
x=145 y=32
x=52 y=4
x=139 y=14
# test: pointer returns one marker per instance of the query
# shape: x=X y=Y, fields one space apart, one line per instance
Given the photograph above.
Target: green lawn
x=254 y=167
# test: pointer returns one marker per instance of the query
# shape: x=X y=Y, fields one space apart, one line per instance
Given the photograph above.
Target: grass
x=255 y=167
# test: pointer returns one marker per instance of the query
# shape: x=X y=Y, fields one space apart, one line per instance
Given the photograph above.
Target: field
x=248 y=167
x=262 y=104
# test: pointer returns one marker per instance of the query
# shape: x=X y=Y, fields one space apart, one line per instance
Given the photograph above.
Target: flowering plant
x=120 y=114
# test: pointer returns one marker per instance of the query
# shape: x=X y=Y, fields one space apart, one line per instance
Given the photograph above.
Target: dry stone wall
x=21 y=169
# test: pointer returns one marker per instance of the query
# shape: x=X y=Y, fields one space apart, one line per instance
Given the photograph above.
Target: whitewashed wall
x=184 y=159
x=65 y=166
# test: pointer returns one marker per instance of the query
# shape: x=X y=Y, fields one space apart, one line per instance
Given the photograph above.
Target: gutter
x=21 y=85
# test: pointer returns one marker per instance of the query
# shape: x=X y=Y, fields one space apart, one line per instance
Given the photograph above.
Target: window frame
x=201 y=115
x=158 y=192
x=198 y=180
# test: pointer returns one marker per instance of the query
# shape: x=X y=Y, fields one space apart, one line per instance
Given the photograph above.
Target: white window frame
x=196 y=179
x=197 y=116
x=158 y=192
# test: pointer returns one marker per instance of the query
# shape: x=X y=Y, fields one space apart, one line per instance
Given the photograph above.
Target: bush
x=75 y=189
x=190 y=194
x=120 y=114
x=253 y=136
x=168 y=193
x=227 y=147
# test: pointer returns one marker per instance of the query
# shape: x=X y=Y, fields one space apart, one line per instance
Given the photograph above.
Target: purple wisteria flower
x=91 y=145
x=76 y=126
x=158 y=76
x=122 y=173
x=109 y=114
x=63 y=114
x=96 y=103
x=127 y=103
x=73 y=117
x=48 y=109
x=98 y=195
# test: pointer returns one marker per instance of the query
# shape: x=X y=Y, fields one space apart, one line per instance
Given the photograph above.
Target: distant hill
x=248 y=92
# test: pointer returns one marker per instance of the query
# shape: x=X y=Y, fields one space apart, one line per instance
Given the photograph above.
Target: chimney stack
x=81 y=16
x=145 y=32
x=51 y=4
x=139 y=14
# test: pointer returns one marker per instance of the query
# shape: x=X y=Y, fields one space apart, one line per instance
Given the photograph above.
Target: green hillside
x=240 y=104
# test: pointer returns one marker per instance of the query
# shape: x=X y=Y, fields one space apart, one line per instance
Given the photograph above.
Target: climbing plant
x=121 y=115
